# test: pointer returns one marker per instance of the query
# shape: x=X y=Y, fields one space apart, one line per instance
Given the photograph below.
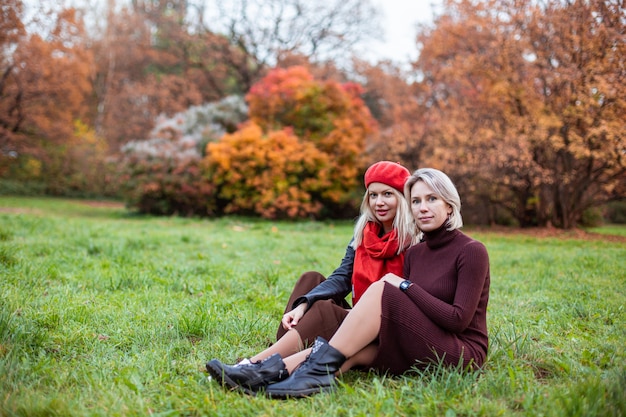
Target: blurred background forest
x=267 y=108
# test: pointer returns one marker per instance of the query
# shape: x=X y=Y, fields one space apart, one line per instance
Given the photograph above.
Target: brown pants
x=323 y=318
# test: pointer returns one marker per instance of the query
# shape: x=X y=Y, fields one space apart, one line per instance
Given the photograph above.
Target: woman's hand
x=393 y=279
x=292 y=318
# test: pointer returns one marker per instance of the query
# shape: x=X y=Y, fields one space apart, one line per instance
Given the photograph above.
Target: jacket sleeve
x=337 y=286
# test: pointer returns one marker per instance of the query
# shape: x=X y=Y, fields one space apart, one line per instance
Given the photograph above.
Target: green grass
x=613 y=229
x=105 y=313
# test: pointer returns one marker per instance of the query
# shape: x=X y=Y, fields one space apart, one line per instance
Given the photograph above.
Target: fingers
x=289 y=320
x=286 y=322
x=392 y=278
x=292 y=318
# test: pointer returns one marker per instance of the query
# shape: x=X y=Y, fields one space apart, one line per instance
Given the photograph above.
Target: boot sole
x=225 y=381
x=299 y=394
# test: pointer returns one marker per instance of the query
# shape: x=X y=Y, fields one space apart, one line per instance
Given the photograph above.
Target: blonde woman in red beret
x=317 y=306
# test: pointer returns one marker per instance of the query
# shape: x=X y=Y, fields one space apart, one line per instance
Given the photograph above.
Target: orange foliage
x=272 y=175
x=44 y=92
x=302 y=151
x=405 y=122
x=291 y=97
x=530 y=103
x=330 y=115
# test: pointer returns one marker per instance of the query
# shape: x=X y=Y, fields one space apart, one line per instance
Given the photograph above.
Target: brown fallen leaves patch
x=550 y=232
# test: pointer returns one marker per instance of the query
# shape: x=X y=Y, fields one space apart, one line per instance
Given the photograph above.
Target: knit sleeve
x=472 y=270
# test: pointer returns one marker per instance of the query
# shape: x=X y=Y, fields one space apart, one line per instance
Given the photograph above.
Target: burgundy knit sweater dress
x=443 y=316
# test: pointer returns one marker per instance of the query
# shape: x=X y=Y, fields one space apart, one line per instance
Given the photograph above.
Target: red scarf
x=375 y=257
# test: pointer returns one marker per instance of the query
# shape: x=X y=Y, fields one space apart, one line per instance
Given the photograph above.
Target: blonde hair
x=442 y=185
x=403 y=222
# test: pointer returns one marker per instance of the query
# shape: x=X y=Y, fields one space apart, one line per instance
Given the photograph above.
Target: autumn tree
x=531 y=102
x=331 y=115
x=11 y=33
x=46 y=79
x=582 y=86
x=272 y=175
x=308 y=137
x=399 y=106
x=148 y=63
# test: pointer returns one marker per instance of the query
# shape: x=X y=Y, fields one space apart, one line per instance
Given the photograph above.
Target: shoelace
x=304 y=365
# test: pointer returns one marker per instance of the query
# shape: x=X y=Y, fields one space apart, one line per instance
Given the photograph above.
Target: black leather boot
x=316 y=374
x=250 y=377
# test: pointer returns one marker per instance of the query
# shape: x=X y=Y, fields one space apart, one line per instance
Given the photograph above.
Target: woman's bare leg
x=286 y=346
x=292 y=362
x=363 y=357
x=361 y=326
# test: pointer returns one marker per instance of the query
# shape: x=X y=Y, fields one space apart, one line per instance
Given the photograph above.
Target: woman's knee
x=373 y=294
x=377 y=287
x=306 y=283
x=311 y=278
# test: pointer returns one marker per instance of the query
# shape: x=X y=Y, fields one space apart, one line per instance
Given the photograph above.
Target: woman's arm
x=338 y=284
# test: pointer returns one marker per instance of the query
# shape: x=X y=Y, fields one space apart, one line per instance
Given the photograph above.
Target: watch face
x=404 y=285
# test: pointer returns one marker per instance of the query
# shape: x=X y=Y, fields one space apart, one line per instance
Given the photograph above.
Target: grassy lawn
x=105 y=313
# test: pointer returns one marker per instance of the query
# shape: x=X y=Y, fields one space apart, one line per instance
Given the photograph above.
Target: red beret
x=388 y=173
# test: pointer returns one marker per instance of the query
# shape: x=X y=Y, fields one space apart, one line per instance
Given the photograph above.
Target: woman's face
x=384 y=204
x=429 y=209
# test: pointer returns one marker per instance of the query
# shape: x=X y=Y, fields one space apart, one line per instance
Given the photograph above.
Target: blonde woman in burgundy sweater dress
x=435 y=312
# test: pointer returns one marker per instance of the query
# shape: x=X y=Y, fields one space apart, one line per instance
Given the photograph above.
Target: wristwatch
x=404 y=285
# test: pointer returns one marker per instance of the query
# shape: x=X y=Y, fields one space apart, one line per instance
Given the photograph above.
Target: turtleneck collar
x=439 y=237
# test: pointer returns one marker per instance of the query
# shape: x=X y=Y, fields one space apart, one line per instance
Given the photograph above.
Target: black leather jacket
x=336 y=287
